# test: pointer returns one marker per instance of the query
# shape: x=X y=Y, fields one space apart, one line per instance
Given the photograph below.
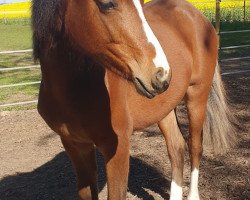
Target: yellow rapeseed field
x=22 y=10
x=210 y=4
x=15 y=10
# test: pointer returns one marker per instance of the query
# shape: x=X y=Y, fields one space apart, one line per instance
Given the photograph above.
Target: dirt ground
x=34 y=165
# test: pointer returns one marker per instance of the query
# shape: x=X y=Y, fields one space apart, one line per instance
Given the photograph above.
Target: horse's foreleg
x=83 y=160
x=116 y=155
x=176 y=146
x=196 y=107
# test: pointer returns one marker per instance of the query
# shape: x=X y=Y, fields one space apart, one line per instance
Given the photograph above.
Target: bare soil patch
x=34 y=165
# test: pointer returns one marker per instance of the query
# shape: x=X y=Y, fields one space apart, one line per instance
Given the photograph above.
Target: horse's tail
x=219 y=128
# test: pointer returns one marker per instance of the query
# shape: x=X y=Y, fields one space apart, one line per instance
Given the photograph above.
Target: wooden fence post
x=217 y=23
x=244 y=10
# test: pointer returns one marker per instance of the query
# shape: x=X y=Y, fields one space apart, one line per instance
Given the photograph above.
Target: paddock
x=34 y=164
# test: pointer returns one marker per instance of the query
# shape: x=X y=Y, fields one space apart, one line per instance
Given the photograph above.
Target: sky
x=11 y=1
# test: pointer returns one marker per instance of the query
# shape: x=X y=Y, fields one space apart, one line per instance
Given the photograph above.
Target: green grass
x=13 y=77
x=16 y=60
x=15 y=36
x=18 y=21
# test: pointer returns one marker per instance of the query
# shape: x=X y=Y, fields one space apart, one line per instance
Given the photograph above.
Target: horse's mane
x=47 y=23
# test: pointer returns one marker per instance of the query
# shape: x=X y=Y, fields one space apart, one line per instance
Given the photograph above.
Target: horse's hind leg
x=176 y=147
x=196 y=107
x=83 y=160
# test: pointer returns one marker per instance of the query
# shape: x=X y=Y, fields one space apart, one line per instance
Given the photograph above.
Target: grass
x=16 y=34
x=16 y=60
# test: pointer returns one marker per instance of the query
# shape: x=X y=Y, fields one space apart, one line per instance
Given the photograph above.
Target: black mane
x=47 y=23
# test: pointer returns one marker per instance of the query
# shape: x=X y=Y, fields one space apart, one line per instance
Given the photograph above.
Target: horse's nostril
x=160 y=74
x=160 y=80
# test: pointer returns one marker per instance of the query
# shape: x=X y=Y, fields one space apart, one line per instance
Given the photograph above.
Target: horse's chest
x=68 y=124
x=75 y=114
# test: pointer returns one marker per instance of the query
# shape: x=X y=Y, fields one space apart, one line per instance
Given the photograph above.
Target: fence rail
x=231 y=32
x=17 y=51
x=235 y=47
x=20 y=84
x=18 y=103
x=235 y=59
x=19 y=68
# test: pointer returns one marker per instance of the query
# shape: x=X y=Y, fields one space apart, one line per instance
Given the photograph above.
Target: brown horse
x=110 y=67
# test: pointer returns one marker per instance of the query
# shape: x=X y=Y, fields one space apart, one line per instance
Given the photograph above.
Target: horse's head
x=116 y=34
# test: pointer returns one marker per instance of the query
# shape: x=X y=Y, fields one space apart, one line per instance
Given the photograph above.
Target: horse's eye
x=105 y=6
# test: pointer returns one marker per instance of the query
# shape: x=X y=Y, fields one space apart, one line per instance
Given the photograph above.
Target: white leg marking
x=160 y=59
x=193 y=190
x=176 y=192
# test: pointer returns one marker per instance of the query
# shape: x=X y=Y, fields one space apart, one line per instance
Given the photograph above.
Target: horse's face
x=116 y=34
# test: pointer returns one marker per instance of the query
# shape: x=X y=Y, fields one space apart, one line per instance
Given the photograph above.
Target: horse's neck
x=71 y=89
x=66 y=69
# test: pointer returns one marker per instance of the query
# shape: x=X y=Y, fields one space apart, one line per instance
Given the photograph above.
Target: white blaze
x=160 y=59
x=193 y=190
x=175 y=192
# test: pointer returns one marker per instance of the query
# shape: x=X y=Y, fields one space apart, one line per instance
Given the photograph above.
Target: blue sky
x=10 y=1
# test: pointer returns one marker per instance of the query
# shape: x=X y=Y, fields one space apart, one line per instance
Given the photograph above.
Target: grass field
x=15 y=33
x=15 y=36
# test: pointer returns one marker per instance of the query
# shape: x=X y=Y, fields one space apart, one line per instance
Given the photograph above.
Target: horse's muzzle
x=159 y=84
x=143 y=90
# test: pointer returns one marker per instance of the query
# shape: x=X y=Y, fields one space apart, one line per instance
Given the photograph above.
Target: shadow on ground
x=56 y=180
